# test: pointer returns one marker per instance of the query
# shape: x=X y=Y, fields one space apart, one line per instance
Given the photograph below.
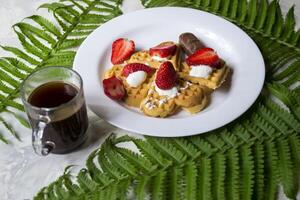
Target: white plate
x=148 y=28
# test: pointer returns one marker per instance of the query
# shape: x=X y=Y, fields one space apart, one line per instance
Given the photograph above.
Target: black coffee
x=68 y=132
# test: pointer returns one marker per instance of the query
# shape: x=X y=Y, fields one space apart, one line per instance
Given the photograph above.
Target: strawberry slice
x=114 y=88
x=166 y=76
x=122 y=49
x=204 y=56
x=133 y=67
x=163 y=50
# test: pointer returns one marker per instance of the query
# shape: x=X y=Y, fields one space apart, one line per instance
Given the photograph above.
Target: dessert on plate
x=202 y=65
x=157 y=82
x=155 y=56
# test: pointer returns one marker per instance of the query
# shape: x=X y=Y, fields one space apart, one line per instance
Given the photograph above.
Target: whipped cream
x=157 y=58
x=171 y=93
x=201 y=71
x=136 y=78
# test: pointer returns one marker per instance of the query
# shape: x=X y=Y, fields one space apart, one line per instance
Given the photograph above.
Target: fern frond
x=247 y=172
x=140 y=189
x=150 y=153
x=258 y=155
x=158 y=185
x=271 y=171
x=166 y=147
x=205 y=179
x=190 y=173
x=218 y=176
x=285 y=169
x=232 y=175
x=288 y=118
x=175 y=190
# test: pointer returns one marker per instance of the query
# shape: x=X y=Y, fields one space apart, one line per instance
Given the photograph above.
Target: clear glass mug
x=54 y=102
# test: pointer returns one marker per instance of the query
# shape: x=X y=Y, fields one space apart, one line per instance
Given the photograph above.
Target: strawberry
x=163 y=50
x=204 y=56
x=133 y=67
x=113 y=88
x=122 y=49
x=166 y=76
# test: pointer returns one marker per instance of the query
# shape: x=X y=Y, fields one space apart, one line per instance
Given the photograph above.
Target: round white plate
x=148 y=28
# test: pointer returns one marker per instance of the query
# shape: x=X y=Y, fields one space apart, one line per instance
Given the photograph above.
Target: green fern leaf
x=107 y=168
x=260 y=20
x=30 y=48
x=258 y=155
x=174 y=182
x=167 y=149
x=158 y=185
x=70 y=43
x=85 y=181
x=36 y=31
x=18 y=64
x=118 y=161
x=202 y=145
x=271 y=180
x=232 y=175
x=11 y=69
x=247 y=171
x=20 y=54
x=140 y=189
x=252 y=12
x=150 y=153
x=190 y=173
x=285 y=169
x=138 y=161
x=294 y=141
x=288 y=118
x=218 y=176
x=186 y=147
x=289 y=25
x=46 y=25
x=205 y=179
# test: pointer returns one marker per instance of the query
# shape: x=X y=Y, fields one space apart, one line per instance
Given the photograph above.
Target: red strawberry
x=133 y=67
x=166 y=76
x=113 y=88
x=163 y=50
x=204 y=56
x=122 y=49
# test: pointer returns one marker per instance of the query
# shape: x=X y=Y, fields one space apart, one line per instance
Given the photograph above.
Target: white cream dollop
x=157 y=58
x=136 y=78
x=201 y=71
x=171 y=93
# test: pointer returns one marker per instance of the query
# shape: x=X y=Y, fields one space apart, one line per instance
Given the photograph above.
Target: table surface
x=22 y=172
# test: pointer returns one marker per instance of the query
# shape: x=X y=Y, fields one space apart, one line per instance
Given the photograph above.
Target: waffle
x=134 y=95
x=197 y=108
x=189 y=94
x=192 y=97
x=145 y=58
x=155 y=105
x=214 y=81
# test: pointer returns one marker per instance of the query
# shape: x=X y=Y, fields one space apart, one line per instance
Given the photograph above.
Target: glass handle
x=40 y=147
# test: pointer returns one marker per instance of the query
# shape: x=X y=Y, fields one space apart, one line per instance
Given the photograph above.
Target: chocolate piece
x=190 y=43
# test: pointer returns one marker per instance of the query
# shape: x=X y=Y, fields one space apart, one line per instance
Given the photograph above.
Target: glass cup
x=54 y=102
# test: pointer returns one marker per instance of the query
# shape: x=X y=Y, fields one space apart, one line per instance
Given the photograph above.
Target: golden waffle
x=145 y=58
x=134 y=96
x=192 y=97
x=197 y=108
x=214 y=81
x=155 y=105
x=189 y=94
